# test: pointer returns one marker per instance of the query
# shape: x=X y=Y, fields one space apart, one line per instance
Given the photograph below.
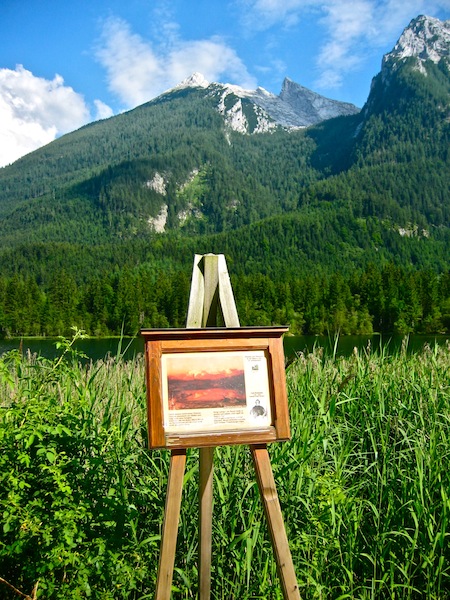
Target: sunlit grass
x=364 y=483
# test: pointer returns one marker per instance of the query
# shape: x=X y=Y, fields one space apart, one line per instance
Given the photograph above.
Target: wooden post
x=210 y=285
x=206 y=468
x=170 y=526
x=274 y=517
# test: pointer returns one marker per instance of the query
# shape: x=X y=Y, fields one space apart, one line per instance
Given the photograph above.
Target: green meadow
x=364 y=483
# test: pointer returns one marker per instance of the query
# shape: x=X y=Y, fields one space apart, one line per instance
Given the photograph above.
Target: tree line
x=389 y=299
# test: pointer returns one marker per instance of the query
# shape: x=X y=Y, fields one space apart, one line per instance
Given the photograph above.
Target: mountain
x=179 y=161
x=184 y=162
x=425 y=39
x=421 y=54
x=257 y=111
x=120 y=206
x=402 y=139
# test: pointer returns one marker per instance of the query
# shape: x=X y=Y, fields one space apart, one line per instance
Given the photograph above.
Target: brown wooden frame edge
x=220 y=339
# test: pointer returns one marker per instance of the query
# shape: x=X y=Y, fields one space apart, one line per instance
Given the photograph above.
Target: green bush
x=79 y=502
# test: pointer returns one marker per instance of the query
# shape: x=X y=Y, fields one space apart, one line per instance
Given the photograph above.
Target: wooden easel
x=210 y=287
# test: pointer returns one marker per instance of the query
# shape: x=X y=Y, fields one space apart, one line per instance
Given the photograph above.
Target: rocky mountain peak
x=425 y=38
x=194 y=80
x=313 y=107
x=255 y=111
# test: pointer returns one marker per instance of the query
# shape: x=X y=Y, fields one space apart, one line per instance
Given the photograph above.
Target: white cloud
x=346 y=24
x=213 y=58
x=34 y=110
x=353 y=28
x=102 y=110
x=394 y=15
x=138 y=71
x=263 y=14
x=362 y=27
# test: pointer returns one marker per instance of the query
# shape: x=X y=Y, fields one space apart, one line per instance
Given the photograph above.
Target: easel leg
x=170 y=527
x=206 y=507
x=274 y=517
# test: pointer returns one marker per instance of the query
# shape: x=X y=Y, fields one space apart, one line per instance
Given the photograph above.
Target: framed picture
x=215 y=386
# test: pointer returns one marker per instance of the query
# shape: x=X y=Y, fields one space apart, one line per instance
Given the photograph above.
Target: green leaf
x=51 y=456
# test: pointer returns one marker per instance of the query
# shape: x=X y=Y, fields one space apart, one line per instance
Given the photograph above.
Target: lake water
x=99 y=348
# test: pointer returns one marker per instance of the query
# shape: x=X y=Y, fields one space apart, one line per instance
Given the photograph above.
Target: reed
x=364 y=483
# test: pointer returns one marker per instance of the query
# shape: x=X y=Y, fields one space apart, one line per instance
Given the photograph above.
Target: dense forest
x=391 y=299
x=344 y=226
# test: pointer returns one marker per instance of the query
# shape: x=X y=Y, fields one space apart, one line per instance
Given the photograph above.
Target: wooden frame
x=251 y=369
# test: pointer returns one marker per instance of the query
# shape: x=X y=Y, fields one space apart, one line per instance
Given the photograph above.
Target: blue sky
x=64 y=64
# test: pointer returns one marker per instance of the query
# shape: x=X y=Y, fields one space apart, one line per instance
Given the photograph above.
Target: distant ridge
x=295 y=106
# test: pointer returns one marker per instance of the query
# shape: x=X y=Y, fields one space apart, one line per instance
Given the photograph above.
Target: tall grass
x=364 y=483
x=368 y=467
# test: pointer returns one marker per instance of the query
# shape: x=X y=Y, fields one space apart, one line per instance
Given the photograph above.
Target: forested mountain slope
x=143 y=191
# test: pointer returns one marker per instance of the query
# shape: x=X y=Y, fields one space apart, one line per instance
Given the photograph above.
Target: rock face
x=424 y=43
x=311 y=107
x=255 y=111
x=425 y=38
